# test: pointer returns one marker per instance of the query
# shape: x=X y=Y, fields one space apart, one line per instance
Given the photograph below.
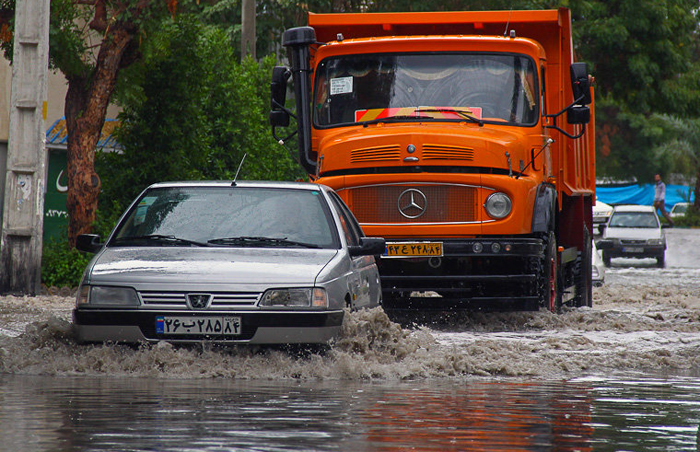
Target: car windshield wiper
x=160 y=238
x=461 y=113
x=260 y=241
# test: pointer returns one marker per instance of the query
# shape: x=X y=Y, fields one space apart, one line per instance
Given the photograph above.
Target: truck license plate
x=413 y=249
x=213 y=325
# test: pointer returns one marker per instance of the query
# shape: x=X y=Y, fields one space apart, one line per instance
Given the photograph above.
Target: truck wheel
x=549 y=284
x=584 y=288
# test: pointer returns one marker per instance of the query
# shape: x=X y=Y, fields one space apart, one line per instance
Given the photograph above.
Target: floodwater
x=622 y=376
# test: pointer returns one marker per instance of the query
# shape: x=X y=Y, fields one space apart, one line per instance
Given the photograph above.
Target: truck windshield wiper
x=461 y=113
x=258 y=241
x=160 y=238
x=397 y=118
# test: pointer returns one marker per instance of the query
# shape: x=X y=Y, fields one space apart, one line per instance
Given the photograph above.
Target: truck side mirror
x=578 y=114
x=580 y=83
x=279 y=117
x=278 y=87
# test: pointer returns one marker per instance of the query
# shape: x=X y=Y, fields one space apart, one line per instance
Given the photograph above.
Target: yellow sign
x=413 y=249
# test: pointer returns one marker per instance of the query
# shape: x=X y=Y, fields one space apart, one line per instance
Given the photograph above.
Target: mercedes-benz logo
x=412 y=203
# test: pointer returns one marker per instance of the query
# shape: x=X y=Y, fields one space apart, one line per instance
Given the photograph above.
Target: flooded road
x=624 y=375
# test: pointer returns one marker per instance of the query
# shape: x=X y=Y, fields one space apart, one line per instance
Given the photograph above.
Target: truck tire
x=584 y=286
x=549 y=276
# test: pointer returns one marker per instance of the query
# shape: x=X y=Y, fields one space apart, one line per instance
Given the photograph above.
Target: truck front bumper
x=479 y=273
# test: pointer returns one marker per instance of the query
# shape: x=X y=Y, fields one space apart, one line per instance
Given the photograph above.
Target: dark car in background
x=242 y=262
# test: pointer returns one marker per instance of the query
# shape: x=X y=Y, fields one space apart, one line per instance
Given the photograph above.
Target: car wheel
x=606 y=258
x=661 y=260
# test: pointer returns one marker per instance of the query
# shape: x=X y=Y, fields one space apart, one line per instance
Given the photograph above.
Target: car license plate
x=632 y=249
x=413 y=249
x=218 y=325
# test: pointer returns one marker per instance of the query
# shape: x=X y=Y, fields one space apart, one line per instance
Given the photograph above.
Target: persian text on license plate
x=213 y=325
x=633 y=249
x=413 y=249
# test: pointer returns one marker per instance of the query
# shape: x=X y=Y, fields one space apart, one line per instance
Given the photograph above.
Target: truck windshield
x=493 y=88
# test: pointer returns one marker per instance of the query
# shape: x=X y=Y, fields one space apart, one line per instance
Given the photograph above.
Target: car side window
x=347 y=220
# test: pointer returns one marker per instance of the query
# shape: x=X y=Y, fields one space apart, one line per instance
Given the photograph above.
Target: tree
x=192 y=111
x=115 y=28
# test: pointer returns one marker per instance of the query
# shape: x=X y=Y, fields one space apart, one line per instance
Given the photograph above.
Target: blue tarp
x=642 y=194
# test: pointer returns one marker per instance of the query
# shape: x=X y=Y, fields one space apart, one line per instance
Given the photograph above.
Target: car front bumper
x=639 y=251
x=269 y=327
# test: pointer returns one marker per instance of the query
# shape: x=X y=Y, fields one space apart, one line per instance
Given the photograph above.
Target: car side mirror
x=369 y=246
x=89 y=243
x=604 y=245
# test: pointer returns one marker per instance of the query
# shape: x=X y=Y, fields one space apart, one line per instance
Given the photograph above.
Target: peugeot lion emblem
x=198 y=300
x=412 y=203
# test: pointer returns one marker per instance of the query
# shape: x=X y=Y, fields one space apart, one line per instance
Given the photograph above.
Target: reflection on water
x=99 y=414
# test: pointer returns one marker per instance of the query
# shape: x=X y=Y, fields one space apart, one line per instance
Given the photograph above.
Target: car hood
x=183 y=265
x=633 y=233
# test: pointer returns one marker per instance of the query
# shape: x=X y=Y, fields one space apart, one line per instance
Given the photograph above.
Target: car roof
x=633 y=208
x=249 y=184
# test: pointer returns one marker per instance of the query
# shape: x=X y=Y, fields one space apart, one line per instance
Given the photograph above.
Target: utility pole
x=23 y=207
x=248 y=28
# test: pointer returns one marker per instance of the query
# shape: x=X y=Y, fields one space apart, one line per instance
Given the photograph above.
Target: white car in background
x=633 y=232
x=679 y=209
x=601 y=213
x=597 y=267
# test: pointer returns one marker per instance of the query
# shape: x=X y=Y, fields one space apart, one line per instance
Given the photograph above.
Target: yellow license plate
x=413 y=249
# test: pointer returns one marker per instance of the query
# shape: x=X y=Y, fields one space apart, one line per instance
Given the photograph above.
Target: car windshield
x=634 y=220
x=680 y=208
x=436 y=86
x=228 y=216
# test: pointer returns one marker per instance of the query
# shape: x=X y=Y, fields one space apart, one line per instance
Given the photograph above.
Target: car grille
x=633 y=242
x=220 y=300
x=379 y=204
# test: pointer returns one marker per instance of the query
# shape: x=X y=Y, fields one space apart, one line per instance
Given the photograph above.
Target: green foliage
x=194 y=115
x=691 y=219
x=61 y=265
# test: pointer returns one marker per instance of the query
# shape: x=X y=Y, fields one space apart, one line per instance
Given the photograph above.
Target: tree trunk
x=87 y=100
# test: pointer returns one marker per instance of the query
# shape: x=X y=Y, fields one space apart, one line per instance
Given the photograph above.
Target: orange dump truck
x=465 y=139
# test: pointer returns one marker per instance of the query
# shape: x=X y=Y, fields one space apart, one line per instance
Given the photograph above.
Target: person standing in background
x=660 y=198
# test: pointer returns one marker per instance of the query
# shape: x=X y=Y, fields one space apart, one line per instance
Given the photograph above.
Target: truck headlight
x=107 y=296
x=295 y=298
x=498 y=205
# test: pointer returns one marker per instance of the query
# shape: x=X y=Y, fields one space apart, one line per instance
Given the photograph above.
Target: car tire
x=661 y=260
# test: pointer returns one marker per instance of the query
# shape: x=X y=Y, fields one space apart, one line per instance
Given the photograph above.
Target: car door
x=363 y=284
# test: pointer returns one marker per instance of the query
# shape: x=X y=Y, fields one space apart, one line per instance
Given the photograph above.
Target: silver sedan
x=243 y=262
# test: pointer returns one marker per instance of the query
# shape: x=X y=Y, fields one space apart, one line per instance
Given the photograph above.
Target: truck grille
x=376 y=154
x=177 y=300
x=379 y=204
x=441 y=152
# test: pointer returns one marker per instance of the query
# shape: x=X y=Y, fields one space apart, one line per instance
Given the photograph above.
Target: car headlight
x=655 y=242
x=295 y=298
x=498 y=205
x=107 y=296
